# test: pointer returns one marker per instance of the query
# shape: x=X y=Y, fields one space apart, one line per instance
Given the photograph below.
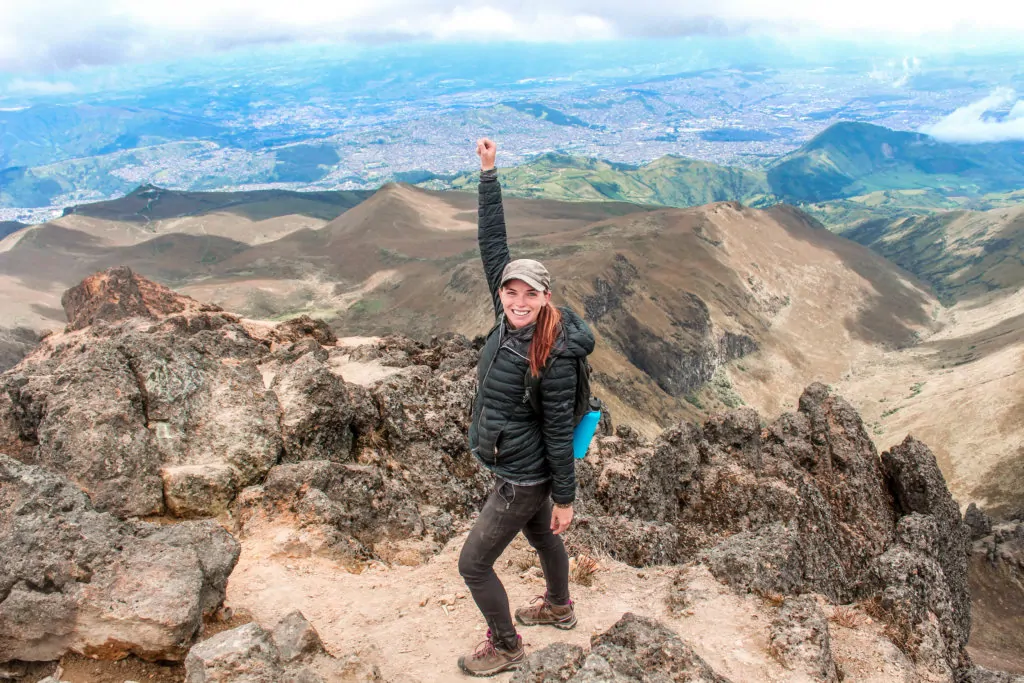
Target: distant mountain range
x=845 y=160
x=850 y=159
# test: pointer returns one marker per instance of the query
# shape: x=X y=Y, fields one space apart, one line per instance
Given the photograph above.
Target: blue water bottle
x=584 y=432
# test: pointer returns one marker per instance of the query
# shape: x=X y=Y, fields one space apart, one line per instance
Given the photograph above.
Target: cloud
x=21 y=86
x=50 y=35
x=976 y=122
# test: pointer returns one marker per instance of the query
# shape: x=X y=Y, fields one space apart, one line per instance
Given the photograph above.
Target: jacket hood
x=577 y=339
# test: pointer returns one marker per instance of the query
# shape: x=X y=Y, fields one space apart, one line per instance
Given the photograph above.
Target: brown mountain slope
x=695 y=309
x=175 y=236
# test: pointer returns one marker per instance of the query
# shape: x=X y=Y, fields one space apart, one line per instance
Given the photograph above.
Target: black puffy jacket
x=506 y=434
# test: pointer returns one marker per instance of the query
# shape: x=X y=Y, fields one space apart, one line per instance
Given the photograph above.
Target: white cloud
x=21 y=86
x=970 y=123
x=57 y=34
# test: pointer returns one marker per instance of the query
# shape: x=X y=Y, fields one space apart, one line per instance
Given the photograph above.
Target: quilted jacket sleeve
x=558 y=394
x=491 y=234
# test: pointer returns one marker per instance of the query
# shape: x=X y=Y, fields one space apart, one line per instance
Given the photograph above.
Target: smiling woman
x=530 y=451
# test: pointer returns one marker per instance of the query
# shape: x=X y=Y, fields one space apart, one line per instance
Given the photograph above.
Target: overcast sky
x=38 y=36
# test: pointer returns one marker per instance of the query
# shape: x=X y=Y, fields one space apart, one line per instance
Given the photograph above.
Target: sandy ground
x=414 y=622
x=959 y=391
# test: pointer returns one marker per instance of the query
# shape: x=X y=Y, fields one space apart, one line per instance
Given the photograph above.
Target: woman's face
x=521 y=302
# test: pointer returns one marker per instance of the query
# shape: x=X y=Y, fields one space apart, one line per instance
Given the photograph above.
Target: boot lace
x=536 y=609
x=486 y=648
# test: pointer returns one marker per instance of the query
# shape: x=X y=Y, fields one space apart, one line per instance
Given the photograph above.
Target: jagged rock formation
x=73 y=578
x=292 y=651
x=804 y=505
x=117 y=294
x=636 y=648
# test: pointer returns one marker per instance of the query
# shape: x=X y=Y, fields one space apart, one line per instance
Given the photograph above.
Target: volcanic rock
x=291 y=652
x=800 y=638
x=635 y=648
x=117 y=294
x=76 y=579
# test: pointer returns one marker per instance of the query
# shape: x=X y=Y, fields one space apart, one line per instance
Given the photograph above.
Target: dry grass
x=773 y=599
x=582 y=569
x=847 y=617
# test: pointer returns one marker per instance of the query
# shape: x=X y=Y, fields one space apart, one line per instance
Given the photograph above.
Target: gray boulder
x=292 y=652
x=635 y=648
x=246 y=654
x=553 y=664
x=316 y=413
x=800 y=638
x=978 y=521
x=76 y=579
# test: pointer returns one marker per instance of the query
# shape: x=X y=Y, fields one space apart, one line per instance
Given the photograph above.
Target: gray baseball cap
x=529 y=271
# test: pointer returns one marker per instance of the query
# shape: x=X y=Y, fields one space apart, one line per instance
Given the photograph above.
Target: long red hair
x=549 y=322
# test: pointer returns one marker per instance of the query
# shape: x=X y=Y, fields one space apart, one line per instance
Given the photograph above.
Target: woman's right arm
x=491 y=222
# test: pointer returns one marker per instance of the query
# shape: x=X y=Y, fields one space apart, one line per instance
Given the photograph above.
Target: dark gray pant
x=508 y=510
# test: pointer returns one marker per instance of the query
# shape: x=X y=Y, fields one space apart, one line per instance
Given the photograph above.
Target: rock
x=316 y=414
x=74 y=579
x=112 y=406
x=198 y=490
x=997 y=593
x=640 y=648
x=117 y=294
x=980 y=674
x=296 y=638
x=769 y=560
x=303 y=326
x=933 y=527
x=978 y=521
x=246 y=653
x=553 y=664
x=249 y=654
x=800 y=638
x=635 y=648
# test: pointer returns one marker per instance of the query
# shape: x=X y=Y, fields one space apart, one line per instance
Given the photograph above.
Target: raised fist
x=486 y=149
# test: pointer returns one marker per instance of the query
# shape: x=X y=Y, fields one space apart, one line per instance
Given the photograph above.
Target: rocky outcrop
x=117 y=294
x=76 y=579
x=411 y=473
x=978 y=521
x=635 y=648
x=803 y=505
x=119 y=408
x=292 y=651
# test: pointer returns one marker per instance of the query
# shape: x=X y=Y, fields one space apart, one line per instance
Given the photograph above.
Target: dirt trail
x=403 y=620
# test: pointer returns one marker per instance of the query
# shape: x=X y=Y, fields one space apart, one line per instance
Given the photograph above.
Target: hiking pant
x=508 y=510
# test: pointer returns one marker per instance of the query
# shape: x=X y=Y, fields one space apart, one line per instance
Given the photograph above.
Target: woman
x=530 y=454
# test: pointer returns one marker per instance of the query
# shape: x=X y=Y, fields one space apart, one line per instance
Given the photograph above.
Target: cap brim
x=527 y=279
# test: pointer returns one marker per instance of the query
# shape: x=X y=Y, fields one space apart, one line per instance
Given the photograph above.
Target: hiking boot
x=542 y=612
x=490 y=659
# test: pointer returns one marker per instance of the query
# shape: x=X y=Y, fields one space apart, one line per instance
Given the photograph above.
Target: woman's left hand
x=561 y=518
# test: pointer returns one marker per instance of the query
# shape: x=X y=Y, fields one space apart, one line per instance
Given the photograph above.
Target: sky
x=49 y=36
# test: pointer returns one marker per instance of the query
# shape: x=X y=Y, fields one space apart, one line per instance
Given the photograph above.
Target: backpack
x=583 y=402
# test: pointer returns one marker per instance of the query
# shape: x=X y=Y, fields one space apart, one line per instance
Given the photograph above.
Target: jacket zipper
x=501 y=330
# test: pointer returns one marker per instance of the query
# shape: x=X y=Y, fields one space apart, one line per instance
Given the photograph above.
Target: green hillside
x=851 y=159
x=669 y=181
x=960 y=253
